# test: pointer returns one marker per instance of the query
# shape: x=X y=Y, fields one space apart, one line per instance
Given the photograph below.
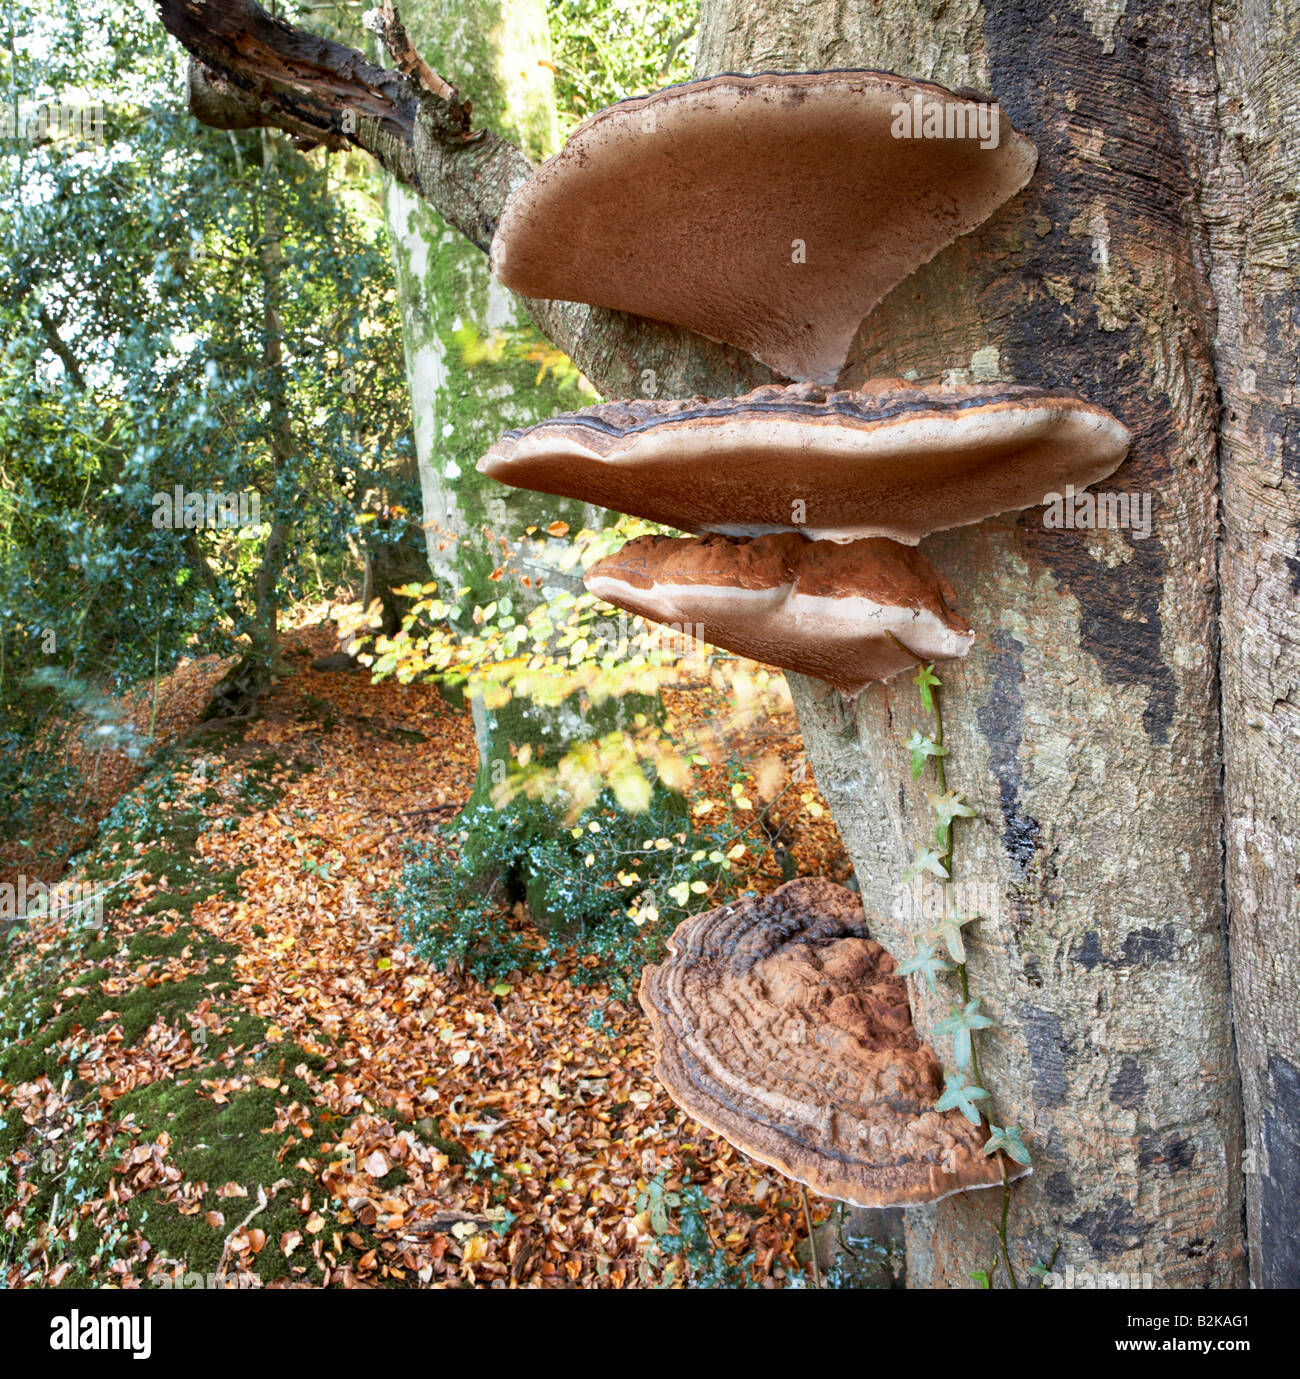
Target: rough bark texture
x=1084 y=724
x=1250 y=204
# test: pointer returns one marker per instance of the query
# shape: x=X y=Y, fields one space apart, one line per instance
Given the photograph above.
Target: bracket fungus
x=780 y=1025
x=768 y=211
x=891 y=459
x=847 y=614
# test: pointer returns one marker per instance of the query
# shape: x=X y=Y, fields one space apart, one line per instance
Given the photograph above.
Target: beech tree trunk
x=1250 y=205
x=1084 y=727
x=456 y=319
x=1151 y=265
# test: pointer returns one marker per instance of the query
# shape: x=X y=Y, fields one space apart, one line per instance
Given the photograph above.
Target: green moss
x=54 y=1012
x=218 y=1144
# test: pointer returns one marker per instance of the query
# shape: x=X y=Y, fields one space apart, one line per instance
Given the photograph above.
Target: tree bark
x=1084 y=725
x=453 y=310
x=1250 y=205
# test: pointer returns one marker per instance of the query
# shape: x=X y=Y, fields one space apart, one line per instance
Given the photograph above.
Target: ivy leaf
x=922 y=747
x=925 y=681
x=949 y=930
x=960 y=1024
x=949 y=806
x=981 y=1276
x=959 y=1095
x=1008 y=1141
x=927 y=963
x=926 y=859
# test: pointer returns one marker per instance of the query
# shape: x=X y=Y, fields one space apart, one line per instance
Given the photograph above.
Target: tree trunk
x=453 y=310
x=1250 y=207
x=465 y=336
x=239 y=691
x=1084 y=725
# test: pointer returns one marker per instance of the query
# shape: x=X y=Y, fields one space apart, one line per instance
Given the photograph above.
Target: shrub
x=613 y=885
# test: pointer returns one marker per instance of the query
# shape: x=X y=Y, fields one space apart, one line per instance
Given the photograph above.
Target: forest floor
x=246 y=1075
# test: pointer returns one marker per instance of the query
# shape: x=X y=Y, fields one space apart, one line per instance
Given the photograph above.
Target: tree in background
x=477 y=365
x=159 y=282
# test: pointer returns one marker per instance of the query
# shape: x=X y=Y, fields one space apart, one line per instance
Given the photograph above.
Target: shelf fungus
x=780 y=1025
x=847 y=614
x=770 y=211
x=891 y=459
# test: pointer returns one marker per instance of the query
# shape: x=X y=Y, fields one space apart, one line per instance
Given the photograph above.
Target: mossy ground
x=234 y=1108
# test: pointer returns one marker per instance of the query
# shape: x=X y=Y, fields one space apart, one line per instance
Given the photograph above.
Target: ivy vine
x=964 y=1090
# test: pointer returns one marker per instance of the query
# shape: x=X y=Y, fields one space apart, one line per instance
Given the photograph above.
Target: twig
x=387 y=23
x=812 y=1239
x=1002 y=1225
x=225 y=1249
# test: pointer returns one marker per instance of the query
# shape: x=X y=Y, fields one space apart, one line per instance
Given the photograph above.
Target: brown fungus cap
x=771 y=211
x=838 y=612
x=890 y=459
x=781 y=1026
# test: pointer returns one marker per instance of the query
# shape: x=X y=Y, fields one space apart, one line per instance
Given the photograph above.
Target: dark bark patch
x=1278 y=314
x=1174 y=1156
x=1001 y=720
x=1053 y=82
x=1048 y=1047
x=1280 y=1185
x=1142 y=947
x=1112 y=1228
x=1129 y=1089
x=1059 y=1190
x=1293 y=564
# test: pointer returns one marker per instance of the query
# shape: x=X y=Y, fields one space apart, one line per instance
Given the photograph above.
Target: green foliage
x=693 y=1245
x=922 y=748
x=1008 y=1140
x=606 y=50
x=948 y=806
x=708 y=1263
x=926 y=682
x=570 y=649
x=959 y=1095
x=926 y=860
x=149 y=278
x=925 y=962
x=960 y=1023
x=612 y=885
x=949 y=929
